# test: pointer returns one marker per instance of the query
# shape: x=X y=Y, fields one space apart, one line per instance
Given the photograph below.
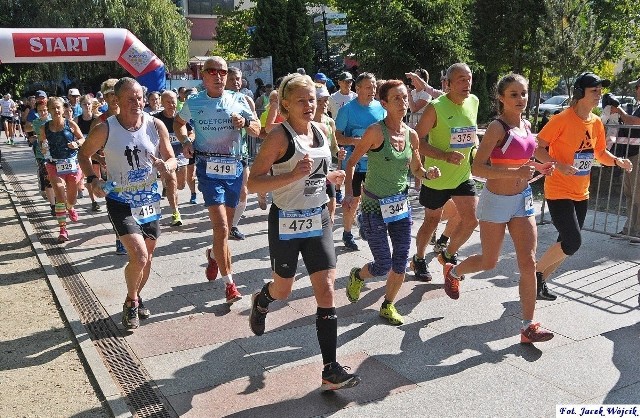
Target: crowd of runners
x=320 y=150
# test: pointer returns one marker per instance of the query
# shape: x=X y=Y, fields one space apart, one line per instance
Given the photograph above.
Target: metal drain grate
x=126 y=370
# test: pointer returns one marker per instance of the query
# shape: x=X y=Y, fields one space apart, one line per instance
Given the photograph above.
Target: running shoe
x=391 y=314
x=232 y=294
x=451 y=284
x=257 y=316
x=143 y=311
x=63 y=236
x=432 y=241
x=534 y=334
x=193 y=200
x=262 y=201
x=120 y=250
x=73 y=214
x=439 y=246
x=354 y=285
x=176 y=219
x=95 y=207
x=543 y=290
x=212 y=267
x=339 y=196
x=335 y=376
x=420 y=270
x=235 y=233
x=349 y=241
x=130 y=318
x=443 y=259
x=359 y=222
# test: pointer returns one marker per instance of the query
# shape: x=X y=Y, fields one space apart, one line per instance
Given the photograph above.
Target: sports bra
x=514 y=148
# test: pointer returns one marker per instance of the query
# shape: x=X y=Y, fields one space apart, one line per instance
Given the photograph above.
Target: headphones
x=578 y=91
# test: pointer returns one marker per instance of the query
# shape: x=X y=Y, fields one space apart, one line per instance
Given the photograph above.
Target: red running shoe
x=73 y=214
x=232 y=293
x=64 y=235
x=534 y=334
x=451 y=284
x=212 y=267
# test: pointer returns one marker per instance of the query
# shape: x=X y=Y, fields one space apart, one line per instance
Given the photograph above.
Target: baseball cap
x=586 y=80
x=107 y=86
x=346 y=75
x=320 y=77
x=73 y=92
x=41 y=93
x=321 y=91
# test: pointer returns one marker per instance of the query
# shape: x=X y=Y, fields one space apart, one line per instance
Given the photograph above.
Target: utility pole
x=326 y=37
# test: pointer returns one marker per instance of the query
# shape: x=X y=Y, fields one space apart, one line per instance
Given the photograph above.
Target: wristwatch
x=247 y=122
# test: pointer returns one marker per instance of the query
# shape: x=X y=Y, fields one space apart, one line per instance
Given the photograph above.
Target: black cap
x=346 y=75
x=586 y=80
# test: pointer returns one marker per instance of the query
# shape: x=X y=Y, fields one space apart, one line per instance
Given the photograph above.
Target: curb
x=115 y=401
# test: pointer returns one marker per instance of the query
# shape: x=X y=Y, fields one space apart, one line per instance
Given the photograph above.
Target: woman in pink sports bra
x=504 y=159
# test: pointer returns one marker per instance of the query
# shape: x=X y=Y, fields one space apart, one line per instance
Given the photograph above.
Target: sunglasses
x=215 y=71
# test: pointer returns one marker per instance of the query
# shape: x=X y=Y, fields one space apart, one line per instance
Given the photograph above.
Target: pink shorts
x=73 y=177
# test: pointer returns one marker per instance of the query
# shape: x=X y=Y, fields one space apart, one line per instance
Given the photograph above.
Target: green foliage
x=232 y=34
x=300 y=33
x=155 y=22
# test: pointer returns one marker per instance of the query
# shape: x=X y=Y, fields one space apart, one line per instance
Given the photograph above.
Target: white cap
x=73 y=92
x=321 y=91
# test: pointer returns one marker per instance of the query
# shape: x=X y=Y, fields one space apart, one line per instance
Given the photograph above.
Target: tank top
x=84 y=125
x=455 y=130
x=514 y=148
x=308 y=192
x=128 y=162
x=387 y=171
x=58 y=141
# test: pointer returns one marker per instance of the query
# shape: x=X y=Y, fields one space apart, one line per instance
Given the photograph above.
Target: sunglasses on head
x=215 y=71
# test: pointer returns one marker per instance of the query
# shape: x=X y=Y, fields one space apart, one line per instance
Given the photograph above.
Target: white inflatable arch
x=45 y=45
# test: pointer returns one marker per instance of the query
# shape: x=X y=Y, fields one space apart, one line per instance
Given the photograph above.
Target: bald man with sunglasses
x=217 y=116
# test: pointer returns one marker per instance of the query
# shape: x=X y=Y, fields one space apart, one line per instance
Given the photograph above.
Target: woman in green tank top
x=392 y=148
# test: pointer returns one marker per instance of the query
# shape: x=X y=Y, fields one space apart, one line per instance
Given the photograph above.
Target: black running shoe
x=543 y=290
x=443 y=259
x=257 y=316
x=335 y=376
x=130 y=318
x=420 y=270
x=143 y=311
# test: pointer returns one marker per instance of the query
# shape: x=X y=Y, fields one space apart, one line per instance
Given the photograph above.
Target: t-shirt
x=337 y=100
x=420 y=95
x=572 y=141
x=6 y=107
x=212 y=123
x=353 y=119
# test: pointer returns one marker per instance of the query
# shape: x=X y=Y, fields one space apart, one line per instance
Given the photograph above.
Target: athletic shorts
x=124 y=224
x=318 y=253
x=501 y=209
x=53 y=172
x=7 y=119
x=218 y=191
x=435 y=199
x=357 y=182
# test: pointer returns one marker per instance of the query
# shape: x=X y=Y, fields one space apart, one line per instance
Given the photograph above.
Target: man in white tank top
x=136 y=147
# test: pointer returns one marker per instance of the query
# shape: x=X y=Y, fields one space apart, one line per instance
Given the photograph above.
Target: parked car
x=553 y=104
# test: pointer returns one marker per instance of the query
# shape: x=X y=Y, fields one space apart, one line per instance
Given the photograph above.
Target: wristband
x=247 y=122
x=91 y=178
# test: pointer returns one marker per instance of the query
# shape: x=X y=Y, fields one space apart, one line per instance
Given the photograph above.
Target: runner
x=7 y=110
x=574 y=137
x=392 y=148
x=134 y=203
x=84 y=121
x=352 y=120
x=63 y=139
x=40 y=152
x=450 y=123
x=504 y=159
x=297 y=154
x=218 y=117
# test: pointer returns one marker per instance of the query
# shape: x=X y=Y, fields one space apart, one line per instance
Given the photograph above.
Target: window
x=207 y=7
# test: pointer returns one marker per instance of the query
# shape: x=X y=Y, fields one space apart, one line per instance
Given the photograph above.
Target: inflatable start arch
x=44 y=45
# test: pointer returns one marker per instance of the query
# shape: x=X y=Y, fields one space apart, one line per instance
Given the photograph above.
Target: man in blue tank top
x=217 y=117
x=352 y=120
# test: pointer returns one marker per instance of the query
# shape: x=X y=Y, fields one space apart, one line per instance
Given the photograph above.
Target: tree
x=233 y=33
x=300 y=33
x=271 y=37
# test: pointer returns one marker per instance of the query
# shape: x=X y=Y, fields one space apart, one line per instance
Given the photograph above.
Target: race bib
x=528 y=202
x=174 y=139
x=221 y=168
x=295 y=224
x=394 y=207
x=583 y=161
x=463 y=137
x=68 y=166
x=147 y=210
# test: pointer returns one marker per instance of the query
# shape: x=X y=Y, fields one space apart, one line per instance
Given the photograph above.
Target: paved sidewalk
x=197 y=357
